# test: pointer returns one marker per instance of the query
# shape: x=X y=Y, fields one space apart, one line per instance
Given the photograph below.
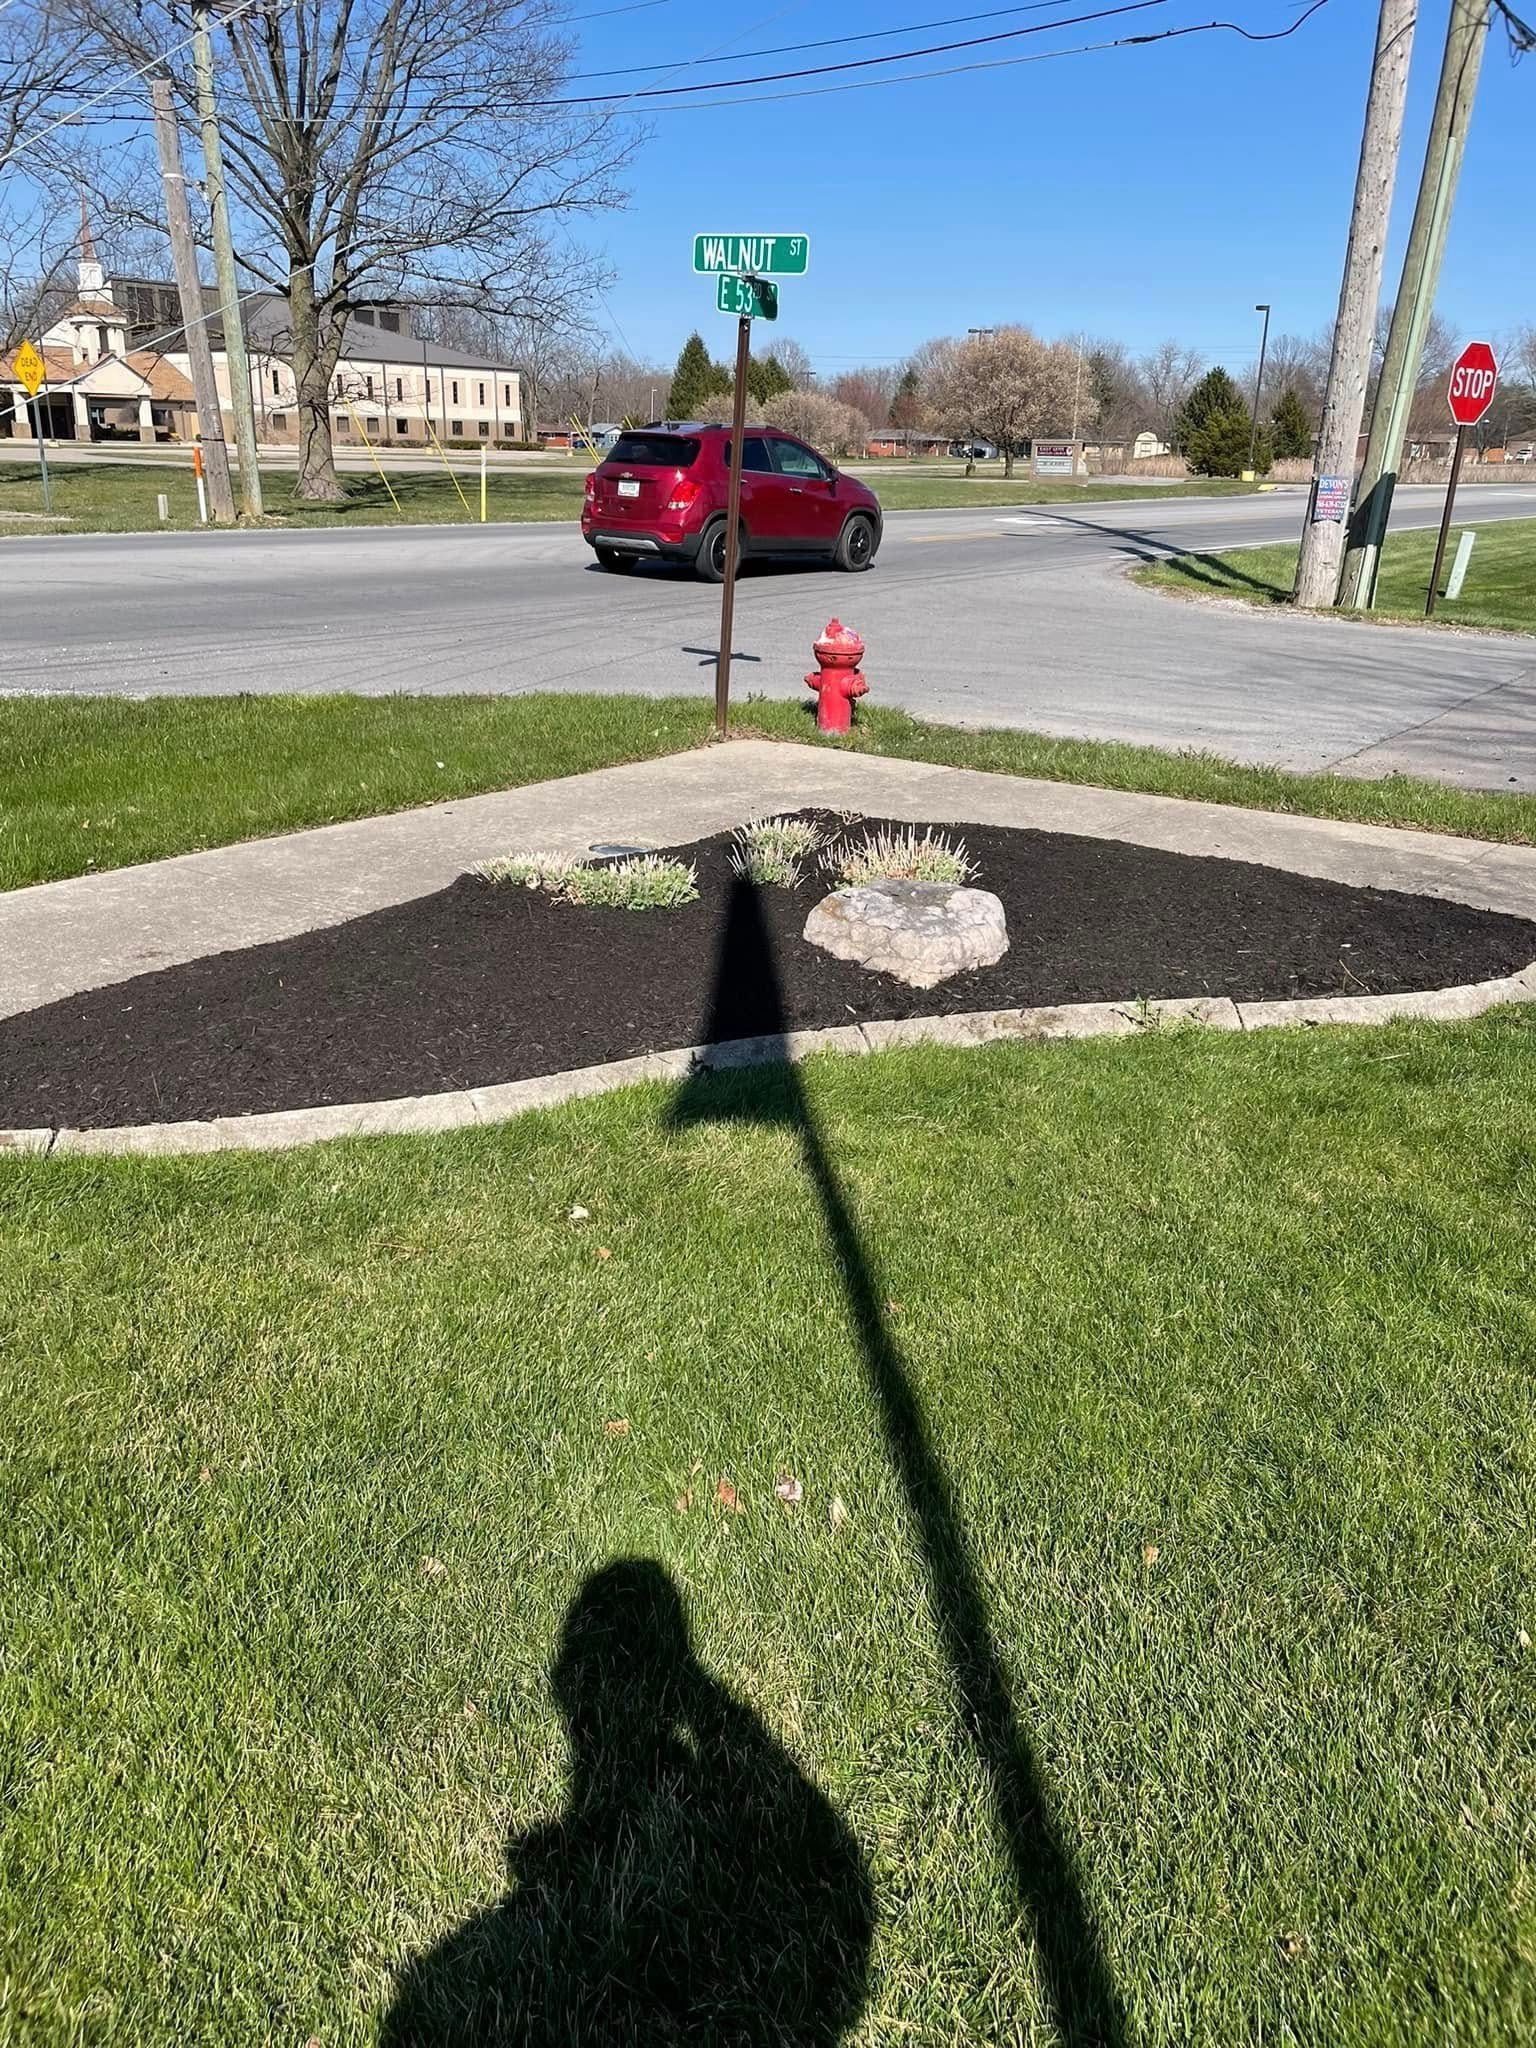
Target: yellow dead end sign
x=29 y=367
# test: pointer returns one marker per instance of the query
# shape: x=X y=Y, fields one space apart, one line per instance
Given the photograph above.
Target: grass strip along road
x=88 y=784
x=1500 y=590
x=1149 y=1648
x=120 y=497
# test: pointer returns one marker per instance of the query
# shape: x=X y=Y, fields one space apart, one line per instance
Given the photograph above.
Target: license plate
x=628 y=488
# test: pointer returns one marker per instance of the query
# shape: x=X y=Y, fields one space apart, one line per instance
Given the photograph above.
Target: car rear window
x=655 y=451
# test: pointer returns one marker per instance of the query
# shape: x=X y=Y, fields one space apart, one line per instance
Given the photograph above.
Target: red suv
x=661 y=495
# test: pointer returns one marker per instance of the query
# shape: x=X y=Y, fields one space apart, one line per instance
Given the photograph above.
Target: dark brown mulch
x=476 y=985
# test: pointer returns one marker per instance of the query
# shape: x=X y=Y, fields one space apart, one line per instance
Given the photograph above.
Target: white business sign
x=1055 y=458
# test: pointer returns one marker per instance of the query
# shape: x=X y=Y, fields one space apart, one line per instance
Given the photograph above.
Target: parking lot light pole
x=1258 y=389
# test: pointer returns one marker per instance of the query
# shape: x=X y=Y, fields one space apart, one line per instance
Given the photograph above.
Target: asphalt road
x=979 y=616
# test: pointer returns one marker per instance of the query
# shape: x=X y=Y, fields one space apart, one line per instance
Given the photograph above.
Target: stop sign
x=1474 y=375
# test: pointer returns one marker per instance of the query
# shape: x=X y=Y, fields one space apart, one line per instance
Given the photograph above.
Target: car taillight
x=683 y=495
x=591 y=483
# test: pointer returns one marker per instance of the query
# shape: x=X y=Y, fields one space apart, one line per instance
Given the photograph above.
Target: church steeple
x=89 y=274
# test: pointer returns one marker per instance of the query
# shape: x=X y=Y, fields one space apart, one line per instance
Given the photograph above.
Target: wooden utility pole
x=224 y=264
x=1465 y=40
x=1349 y=366
x=189 y=289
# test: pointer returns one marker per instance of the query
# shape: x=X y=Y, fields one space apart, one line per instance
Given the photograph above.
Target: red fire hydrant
x=839 y=652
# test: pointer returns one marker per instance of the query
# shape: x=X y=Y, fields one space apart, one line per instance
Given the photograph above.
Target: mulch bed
x=476 y=985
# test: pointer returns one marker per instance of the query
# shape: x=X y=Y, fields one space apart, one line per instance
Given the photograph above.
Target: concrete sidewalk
x=64 y=937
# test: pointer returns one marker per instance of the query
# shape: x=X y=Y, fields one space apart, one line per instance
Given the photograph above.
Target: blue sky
x=1136 y=193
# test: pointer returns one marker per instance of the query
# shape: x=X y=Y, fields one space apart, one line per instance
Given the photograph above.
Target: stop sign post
x=1474 y=379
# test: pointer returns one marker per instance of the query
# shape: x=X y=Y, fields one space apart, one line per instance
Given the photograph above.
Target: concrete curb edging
x=279 y=1130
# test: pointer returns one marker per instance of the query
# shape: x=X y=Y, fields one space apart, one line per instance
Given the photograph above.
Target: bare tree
x=1169 y=373
x=868 y=391
x=1009 y=387
x=1120 y=396
x=382 y=148
x=1299 y=363
x=792 y=360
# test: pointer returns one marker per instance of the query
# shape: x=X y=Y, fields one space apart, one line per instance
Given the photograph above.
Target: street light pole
x=1258 y=390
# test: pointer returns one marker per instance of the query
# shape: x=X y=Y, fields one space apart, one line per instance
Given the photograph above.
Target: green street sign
x=762 y=255
x=749 y=298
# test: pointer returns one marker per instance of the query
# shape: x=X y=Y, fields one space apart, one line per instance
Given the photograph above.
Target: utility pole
x=1465 y=40
x=189 y=289
x=1258 y=390
x=224 y=264
x=1349 y=366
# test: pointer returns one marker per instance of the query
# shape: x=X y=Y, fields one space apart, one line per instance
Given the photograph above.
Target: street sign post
x=760 y=255
x=749 y=298
x=742 y=264
x=32 y=371
x=1474 y=379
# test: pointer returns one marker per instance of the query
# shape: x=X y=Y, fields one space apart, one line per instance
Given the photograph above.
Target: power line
x=831 y=42
x=857 y=63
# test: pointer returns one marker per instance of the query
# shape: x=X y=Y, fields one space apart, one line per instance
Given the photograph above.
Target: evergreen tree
x=907 y=405
x=1221 y=445
x=1215 y=394
x=695 y=381
x=766 y=378
x=1290 y=426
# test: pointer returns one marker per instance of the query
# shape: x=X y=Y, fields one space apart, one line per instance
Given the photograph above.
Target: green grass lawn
x=120 y=497
x=1500 y=590
x=93 y=783
x=1165 y=1677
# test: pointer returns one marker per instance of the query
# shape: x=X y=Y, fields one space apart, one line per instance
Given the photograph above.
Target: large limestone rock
x=922 y=932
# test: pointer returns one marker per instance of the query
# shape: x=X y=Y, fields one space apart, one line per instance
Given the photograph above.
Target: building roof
x=92 y=309
x=165 y=381
x=269 y=330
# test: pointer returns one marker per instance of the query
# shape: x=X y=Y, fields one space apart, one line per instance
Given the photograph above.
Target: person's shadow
x=698 y=1889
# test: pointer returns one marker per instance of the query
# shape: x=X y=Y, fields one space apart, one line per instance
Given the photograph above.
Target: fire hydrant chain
x=838 y=652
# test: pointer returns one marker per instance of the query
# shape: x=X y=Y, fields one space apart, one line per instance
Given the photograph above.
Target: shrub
x=900 y=857
x=775 y=850
x=645 y=881
x=1291 y=427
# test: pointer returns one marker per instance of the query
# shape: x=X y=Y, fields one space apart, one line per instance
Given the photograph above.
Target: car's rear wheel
x=710 y=560
x=614 y=561
x=855 y=545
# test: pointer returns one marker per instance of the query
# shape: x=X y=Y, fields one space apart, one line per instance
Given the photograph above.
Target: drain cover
x=613 y=849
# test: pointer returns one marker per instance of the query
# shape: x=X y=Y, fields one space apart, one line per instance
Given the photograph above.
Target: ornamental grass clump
x=775 y=850
x=899 y=856
x=641 y=882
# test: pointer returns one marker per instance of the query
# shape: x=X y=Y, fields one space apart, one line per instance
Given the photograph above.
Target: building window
x=372 y=426
x=485 y=429
x=455 y=390
x=368 y=381
x=457 y=428
x=365 y=315
x=390 y=322
x=277 y=387
x=339 y=385
x=399 y=389
x=402 y=426
x=482 y=394
x=279 y=421
x=341 y=423
x=506 y=394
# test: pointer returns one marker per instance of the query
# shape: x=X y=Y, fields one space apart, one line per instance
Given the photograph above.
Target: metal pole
x=1258 y=390
x=732 y=523
x=1349 y=368
x=1445 y=523
x=42 y=452
x=1465 y=40
x=224 y=265
x=210 y=419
